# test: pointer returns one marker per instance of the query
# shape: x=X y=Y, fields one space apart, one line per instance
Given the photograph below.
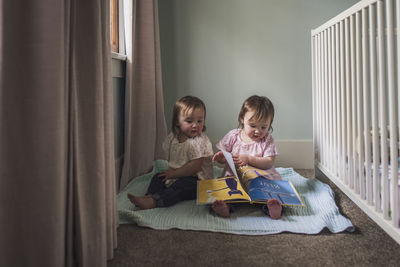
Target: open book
x=249 y=186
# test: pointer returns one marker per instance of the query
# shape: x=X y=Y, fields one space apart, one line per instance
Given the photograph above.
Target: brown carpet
x=369 y=245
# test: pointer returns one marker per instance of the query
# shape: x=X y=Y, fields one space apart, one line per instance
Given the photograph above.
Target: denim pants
x=184 y=188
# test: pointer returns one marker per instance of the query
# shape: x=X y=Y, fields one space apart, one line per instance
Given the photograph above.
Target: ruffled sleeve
x=226 y=143
x=200 y=147
x=270 y=148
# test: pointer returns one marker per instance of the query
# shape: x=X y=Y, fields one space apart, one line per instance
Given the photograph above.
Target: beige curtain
x=145 y=127
x=57 y=179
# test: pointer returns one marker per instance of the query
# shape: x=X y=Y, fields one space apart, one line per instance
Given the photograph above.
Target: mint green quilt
x=319 y=212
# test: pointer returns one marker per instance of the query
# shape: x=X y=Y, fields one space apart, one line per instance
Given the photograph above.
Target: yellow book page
x=225 y=188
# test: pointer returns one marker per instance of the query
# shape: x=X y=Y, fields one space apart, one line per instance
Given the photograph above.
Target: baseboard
x=295 y=153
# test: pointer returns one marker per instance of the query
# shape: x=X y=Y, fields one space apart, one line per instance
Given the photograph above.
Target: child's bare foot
x=274 y=208
x=145 y=202
x=220 y=208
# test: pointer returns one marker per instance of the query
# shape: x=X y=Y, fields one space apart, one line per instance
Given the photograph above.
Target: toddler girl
x=251 y=144
x=188 y=151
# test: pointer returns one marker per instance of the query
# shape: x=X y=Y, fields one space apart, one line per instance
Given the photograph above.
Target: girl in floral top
x=189 y=153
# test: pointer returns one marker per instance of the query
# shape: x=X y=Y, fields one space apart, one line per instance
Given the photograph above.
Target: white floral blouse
x=178 y=154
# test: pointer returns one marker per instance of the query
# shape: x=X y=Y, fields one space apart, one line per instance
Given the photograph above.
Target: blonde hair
x=261 y=106
x=186 y=104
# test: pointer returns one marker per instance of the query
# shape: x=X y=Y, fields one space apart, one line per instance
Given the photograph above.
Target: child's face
x=255 y=130
x=191 y=123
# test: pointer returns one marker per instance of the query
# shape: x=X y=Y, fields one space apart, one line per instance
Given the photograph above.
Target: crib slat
x=332 y=98
x=348 y=104
x=320 y=63
x=382 y=107
x=320 y=101
x=392 y=108
x=319 y=37
x=324 y=97
x=320 y=87
x=338 y=124
x=343 y=104
x=314 y=58
x=353 y=102
x=367 y=110
x=333 y=101
x=329 y=99
x=396 y=192
x=374 y=100
x=360 y=187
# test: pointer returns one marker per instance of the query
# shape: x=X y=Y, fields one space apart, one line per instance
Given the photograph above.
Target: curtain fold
x=57 y=177
x=145 y=127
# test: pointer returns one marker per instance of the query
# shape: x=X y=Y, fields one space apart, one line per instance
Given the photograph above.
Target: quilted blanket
x=319 y=212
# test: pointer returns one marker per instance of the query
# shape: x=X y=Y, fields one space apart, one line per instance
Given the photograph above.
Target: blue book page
x=261 y=190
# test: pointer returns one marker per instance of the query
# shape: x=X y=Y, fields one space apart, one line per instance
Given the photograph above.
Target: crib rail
x=355 y=79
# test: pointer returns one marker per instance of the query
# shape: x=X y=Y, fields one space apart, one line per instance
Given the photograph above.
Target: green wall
x=226 y=50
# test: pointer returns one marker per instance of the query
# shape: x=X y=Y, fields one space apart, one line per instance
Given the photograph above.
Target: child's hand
x=219 y=157
x=241 y=160
x=168 y=174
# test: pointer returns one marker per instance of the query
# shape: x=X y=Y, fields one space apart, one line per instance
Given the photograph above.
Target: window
x=114 y=18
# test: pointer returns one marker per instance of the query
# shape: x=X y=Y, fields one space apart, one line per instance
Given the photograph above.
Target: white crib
x=355 y=79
